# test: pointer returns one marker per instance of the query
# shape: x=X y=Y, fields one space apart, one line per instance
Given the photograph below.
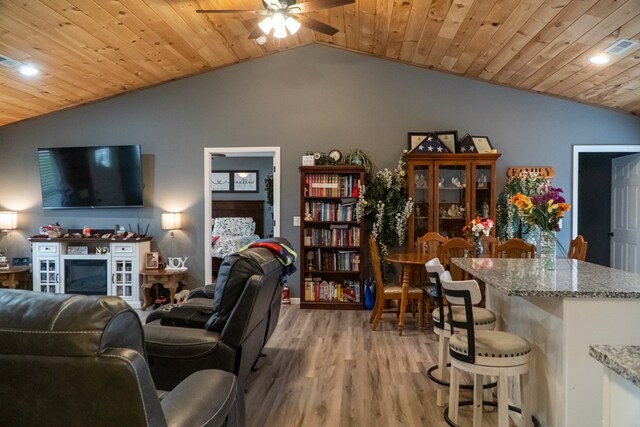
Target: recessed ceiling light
x=599 y=59
x=261 y=40
x=27 y=70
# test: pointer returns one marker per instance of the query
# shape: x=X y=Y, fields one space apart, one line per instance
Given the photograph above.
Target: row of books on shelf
x=316 y=289
x=333 y=260
x=336 y=235
x=322 y=211
x=331 y=185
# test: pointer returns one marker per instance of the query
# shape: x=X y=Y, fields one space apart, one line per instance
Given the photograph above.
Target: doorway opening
x=591 y=190
x=237 y=162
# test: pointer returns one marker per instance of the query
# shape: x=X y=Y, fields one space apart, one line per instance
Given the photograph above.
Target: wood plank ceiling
x=93 y=49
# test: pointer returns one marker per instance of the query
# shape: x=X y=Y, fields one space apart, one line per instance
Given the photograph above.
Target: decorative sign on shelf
x=544 y=171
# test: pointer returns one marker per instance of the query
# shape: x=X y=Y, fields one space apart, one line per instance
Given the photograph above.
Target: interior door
x=625 y=211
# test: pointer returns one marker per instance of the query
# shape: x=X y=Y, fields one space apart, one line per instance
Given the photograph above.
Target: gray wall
x=310 y=98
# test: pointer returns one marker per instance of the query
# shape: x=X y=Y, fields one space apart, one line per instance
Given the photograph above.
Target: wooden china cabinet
x=448 y=191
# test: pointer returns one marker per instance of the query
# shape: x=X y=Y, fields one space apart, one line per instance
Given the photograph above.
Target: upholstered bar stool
x=482 y=318
x=482 y=353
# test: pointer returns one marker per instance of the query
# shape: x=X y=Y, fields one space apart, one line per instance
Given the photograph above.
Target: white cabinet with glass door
x=125 y=270
x=46 y=275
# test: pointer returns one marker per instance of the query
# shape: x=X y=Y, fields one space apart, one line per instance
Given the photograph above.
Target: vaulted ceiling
x=93 y=49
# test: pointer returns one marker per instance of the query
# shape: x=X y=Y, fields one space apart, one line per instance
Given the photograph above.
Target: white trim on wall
x=575 y=166
x=209 y=152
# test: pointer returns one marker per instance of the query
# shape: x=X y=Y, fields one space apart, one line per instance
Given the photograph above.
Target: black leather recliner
x=72 y=360
x=245 y=307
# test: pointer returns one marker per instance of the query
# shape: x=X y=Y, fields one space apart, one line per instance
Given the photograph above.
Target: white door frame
x=577 y=149
x=209 y=152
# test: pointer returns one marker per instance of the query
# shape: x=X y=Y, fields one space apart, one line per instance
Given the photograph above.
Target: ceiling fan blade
x=315 y=5
x=316 y=25
x=228 y=11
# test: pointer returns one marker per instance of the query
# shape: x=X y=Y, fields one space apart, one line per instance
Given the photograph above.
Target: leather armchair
x=72 y=360
x=245 y=305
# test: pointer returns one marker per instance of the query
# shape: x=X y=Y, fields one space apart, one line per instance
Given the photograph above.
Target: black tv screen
x=91 y=177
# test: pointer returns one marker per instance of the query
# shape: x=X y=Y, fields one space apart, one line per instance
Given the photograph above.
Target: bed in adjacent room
x=236 y=223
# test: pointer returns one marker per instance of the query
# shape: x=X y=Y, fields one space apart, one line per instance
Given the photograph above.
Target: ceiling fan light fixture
x=280 y=32
x=279 y=28
x=266 y=25
x=292 y=25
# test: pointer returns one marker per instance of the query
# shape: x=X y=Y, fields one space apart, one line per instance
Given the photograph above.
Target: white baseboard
x=295 y=301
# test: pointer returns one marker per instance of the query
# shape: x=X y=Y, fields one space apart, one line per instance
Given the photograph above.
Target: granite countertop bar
x=570 y=279
x=624 y=360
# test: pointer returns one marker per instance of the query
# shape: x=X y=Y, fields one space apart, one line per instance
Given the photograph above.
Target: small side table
x=169 y=279
x=10 y=277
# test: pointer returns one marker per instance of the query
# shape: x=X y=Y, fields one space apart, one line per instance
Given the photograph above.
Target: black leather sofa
x=72 y=360
x=244 y=307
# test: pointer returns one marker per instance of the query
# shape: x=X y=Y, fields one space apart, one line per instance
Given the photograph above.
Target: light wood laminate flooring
x=328 y=368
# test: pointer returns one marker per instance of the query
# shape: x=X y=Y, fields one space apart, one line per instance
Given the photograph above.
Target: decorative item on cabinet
x=429 y=142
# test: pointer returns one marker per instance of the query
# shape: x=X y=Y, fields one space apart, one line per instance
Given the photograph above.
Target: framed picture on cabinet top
x=426 y=143
x=448 y=138
x=482 y=143
x=415 y=138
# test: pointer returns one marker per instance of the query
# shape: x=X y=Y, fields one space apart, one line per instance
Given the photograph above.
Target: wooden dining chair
x=429 y=244
x=456 y=247
x=578 y=248
x=516 y=248
x=386 y=292
x=489 y=245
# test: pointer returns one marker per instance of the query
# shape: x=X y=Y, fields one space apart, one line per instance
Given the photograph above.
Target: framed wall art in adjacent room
x=245 y=181
x=221 y=181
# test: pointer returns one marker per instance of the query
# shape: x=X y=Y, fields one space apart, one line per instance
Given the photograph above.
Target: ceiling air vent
x=620 y=47
x=5 y=61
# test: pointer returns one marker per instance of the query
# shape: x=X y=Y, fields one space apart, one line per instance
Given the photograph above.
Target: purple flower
x=552 y=193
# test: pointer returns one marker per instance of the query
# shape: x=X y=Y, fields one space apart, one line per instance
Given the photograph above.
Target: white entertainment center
x=90 y=266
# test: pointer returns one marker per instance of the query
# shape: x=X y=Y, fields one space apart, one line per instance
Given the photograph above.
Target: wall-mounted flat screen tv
x=91 y=177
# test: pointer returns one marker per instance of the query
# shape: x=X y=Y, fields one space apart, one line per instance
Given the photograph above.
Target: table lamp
x=171 y=221
x=8 y=222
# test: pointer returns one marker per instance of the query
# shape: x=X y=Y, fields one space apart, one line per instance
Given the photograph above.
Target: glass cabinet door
x=123 y=277
x=421 y=199
x=483 y=185
x=452 y=199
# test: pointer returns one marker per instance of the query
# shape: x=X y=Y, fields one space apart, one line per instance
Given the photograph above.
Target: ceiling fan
x=283 y=15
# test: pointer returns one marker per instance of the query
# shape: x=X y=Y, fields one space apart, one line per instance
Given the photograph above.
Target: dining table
x=562 y=312
x=409 y=261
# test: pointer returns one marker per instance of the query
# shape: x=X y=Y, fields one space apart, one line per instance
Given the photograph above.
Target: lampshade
x=171 y=221
x=279 y=28
x=8 y=220
x=266 y=25
x=292 y=25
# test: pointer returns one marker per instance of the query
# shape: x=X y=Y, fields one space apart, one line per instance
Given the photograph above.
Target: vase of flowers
x=509 y=223
x=475 y=229
x=544 y=211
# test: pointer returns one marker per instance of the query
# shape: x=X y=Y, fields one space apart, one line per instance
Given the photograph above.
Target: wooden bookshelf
x=332 y=259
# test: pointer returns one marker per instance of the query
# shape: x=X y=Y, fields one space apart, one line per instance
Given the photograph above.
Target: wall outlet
x=296 y=221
